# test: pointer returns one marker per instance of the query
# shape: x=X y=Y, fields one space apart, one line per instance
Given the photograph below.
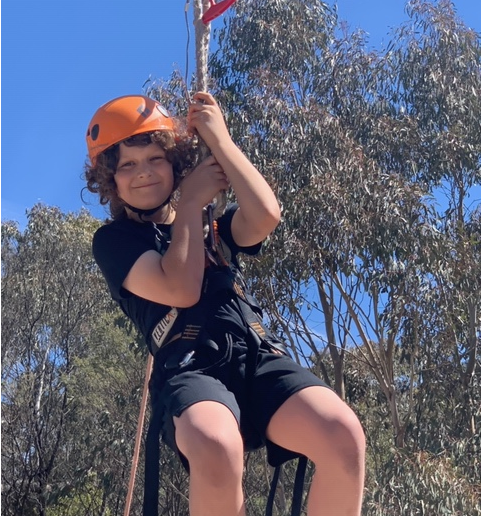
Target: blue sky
x=62 y=59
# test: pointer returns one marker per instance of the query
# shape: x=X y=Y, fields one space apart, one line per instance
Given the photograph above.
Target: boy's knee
x=216 y=443
x=216 y=453
x=347 y=441
x=356 y=443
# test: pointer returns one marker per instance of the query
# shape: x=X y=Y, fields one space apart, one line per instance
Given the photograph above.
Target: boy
x=222 y=383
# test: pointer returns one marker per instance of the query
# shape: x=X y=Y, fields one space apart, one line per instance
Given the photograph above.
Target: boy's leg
x=207 y=434
x=318 y=424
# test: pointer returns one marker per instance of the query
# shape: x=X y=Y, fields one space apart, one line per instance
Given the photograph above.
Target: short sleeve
x=116 y=247
x=224 y=223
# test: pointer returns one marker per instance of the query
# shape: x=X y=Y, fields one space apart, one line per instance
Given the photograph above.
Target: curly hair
x=180 y=150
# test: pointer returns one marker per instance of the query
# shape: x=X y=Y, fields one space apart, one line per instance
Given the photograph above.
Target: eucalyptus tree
x=438 y=85
x=373 y=275
x=67 y=372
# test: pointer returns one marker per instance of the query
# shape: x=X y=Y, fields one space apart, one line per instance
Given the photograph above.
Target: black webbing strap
x=152 y=466
x=254 y=321
x=272 y=491
x=258 y=335
x=181 y=348
x=296 y=506
x=253 y=346
x=299 y=486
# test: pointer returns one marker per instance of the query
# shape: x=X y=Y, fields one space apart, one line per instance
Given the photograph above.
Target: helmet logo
x=94 y=132
x=144 y=111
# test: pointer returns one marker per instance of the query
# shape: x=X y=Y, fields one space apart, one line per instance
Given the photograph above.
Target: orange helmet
x=124 y=117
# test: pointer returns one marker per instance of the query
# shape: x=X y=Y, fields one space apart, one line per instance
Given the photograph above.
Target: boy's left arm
x=259 y=213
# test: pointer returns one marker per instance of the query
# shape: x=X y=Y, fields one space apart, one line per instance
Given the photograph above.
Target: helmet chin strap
x=146 y=213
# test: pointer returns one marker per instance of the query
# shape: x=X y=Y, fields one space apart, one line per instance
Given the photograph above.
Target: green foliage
x=86 y=501
x=421 y=483
x=68 y=364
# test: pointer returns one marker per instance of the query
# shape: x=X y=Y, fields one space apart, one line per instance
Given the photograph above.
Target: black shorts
x=220 y=375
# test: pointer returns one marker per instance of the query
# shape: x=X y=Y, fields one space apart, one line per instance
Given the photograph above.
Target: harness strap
x=182 y=349
x=152 y=465
x=253 y=346
x=296 y=506
x=272 y=491
x=255 y=323
x=299 y=486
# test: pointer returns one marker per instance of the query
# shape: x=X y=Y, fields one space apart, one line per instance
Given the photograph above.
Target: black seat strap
x=296 y=506
x=299 y=486
x=152 y=466
x=272 y=491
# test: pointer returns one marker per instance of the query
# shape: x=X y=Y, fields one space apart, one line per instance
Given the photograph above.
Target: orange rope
x=140 y=426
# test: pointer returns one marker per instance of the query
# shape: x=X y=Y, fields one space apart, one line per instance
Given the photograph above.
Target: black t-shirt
x=118 y=245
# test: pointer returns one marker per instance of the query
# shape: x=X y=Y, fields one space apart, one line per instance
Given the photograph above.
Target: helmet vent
x=94 y=132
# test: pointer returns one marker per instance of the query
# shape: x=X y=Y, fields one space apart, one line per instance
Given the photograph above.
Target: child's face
x=144 y=177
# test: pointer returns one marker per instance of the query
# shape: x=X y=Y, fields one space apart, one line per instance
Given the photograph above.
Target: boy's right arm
x=175 y=279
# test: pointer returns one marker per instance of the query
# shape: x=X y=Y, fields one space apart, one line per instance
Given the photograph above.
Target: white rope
x=202 y=38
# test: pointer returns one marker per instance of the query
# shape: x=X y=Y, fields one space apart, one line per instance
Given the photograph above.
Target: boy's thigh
x=186 y=390
x=276 y=379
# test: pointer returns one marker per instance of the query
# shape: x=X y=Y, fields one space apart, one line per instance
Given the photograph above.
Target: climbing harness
x=182 y=329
